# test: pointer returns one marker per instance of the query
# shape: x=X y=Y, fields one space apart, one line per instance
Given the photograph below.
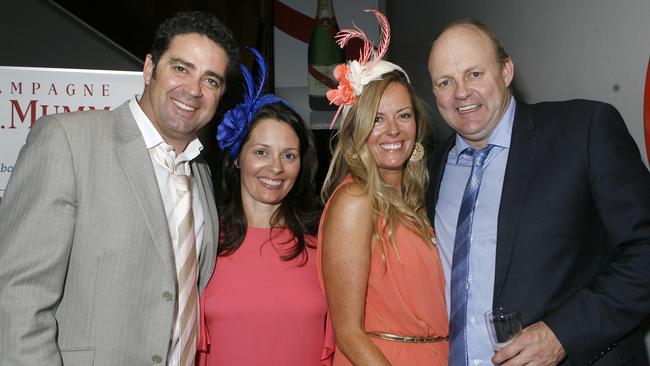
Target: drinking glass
x=503 y=324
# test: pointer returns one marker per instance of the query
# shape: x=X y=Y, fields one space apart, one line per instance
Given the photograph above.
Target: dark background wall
x=40 y=34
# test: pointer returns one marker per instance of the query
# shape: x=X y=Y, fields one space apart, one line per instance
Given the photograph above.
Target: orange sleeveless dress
x=405 y=297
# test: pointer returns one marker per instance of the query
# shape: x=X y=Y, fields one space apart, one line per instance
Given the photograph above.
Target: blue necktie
x=460 y=262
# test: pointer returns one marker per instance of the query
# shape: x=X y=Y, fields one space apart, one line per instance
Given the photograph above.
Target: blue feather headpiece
x=236 y=121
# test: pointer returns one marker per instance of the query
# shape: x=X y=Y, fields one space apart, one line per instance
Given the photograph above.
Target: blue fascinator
x=236 y=121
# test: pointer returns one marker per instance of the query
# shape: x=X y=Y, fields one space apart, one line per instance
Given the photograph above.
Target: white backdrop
x=27 y=93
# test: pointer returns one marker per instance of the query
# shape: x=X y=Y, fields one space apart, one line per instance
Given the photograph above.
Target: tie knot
x=478 y=156
x=179 y=175
x=163 y=157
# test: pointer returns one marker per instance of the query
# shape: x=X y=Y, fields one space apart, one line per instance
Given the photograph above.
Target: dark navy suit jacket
x=573 y=236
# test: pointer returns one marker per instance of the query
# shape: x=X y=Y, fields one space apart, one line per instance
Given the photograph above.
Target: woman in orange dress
x=377 y=255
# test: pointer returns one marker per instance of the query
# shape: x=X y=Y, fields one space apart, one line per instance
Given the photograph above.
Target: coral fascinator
x=236 y=121
x=356 y=74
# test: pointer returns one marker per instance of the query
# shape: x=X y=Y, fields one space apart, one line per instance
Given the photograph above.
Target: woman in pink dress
x=380 y=266
x=263 y=304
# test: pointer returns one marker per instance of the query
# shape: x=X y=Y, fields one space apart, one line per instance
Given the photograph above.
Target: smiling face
x=182 y=91
x=469 y=82
x=393 y=135
x=269 y=164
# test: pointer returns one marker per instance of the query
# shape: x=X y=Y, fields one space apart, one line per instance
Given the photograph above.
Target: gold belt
x=407 y=339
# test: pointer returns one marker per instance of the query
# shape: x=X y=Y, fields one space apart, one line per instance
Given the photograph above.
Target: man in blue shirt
x=560 y=226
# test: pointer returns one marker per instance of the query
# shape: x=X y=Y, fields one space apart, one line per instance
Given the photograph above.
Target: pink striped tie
x=186 y=259
x=187 y=274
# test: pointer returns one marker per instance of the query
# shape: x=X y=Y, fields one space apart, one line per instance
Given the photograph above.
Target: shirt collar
x=152 y=137
x=501 y=135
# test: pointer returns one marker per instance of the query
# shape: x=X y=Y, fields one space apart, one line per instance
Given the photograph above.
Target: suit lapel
x=211 y=227
x=436 y=171
x=517 y=176
x=136 y=164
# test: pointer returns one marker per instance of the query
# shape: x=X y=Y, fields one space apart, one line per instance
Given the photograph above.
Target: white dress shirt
x=483 y=239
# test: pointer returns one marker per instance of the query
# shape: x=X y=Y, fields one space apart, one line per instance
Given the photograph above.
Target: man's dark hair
x=197 y=22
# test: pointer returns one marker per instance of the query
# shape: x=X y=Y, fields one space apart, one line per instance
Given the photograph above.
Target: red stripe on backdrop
x=292 y=22
x=646 y=111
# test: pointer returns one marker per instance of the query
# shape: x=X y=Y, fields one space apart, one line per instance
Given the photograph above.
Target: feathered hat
x=236 y=121
x=356 y=74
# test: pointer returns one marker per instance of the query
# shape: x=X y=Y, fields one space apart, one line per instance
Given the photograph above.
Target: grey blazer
x=86 y=261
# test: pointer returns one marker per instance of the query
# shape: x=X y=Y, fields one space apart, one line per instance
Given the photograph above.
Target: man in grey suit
x=89 y=237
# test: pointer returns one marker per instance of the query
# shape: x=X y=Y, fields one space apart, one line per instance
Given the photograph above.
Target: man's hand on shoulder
x=535 y=345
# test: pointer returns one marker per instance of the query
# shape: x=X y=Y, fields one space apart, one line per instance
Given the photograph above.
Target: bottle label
x=321 y=79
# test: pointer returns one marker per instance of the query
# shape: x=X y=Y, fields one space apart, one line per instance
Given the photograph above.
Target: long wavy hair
x=407 y=206
x=299 y=211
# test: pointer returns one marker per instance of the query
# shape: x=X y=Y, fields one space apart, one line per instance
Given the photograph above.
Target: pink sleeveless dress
x=404 y=298
x=260 y=310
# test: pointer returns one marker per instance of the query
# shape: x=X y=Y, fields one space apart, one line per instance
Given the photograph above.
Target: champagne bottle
x=323 y=56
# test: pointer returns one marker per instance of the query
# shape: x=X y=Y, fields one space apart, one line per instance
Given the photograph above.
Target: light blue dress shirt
x=482 y=252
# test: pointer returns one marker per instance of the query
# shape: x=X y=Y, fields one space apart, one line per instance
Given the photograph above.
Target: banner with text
x=27 y=93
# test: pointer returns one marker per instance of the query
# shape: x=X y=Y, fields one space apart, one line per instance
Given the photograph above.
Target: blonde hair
x=352 y=156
